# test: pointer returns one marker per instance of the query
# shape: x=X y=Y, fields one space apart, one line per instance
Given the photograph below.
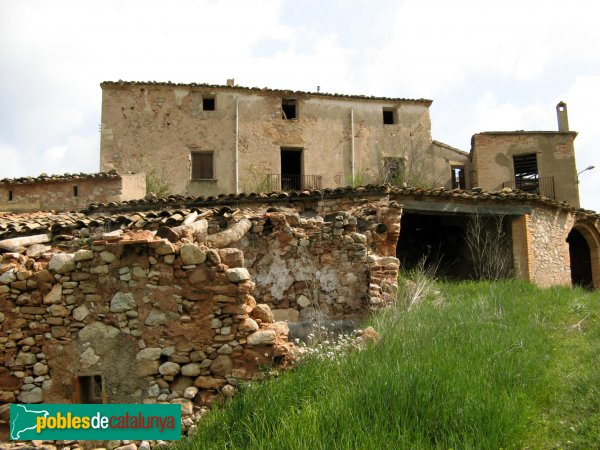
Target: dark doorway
x=439 y=240
x=291 y=169
x=581 y=261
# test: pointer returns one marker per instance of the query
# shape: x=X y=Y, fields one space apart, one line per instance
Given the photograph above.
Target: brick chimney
x=563 y=118
x=230 y=82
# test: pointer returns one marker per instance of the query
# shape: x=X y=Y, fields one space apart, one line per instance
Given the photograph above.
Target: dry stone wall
x=157 y=321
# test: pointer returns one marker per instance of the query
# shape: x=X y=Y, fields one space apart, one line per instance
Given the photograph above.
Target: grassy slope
x=496 y=366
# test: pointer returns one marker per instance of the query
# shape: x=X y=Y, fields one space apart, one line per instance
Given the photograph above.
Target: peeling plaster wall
x=154 y=129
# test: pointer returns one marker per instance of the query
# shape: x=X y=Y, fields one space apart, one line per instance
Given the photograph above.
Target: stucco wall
x=492 y=158
x=154 y=128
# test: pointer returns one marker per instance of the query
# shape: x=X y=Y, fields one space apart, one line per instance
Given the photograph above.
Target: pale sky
x=487 y=66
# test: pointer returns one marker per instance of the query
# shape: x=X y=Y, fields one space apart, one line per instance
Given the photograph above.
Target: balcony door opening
x=291 y=169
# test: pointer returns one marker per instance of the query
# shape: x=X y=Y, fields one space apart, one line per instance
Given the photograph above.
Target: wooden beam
x=417 y=206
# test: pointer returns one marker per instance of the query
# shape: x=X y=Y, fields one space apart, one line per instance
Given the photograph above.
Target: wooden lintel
x=417 y=206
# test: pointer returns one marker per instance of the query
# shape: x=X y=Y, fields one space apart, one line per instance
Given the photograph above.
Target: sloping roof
x=43 y=178
x=449 y=147
x=152 y=212
x=282 y=92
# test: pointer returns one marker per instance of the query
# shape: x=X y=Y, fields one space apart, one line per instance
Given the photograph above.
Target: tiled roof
x=282 y=92
x=152 y=212
x=43 y=178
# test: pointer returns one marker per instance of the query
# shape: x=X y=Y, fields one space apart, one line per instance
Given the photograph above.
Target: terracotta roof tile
x=283 y=92
x=43 y=178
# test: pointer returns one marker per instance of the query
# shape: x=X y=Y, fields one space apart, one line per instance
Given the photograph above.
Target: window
x=75 y=191
x=289 y=108
x=526 y=172
x=393 y=169
x=208 y=103
x=458 y=177
x=89 y=389
x=10 y=196
x=202 y=166
x=389 y=116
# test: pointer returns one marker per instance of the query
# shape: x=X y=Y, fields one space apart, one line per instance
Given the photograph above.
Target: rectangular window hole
x=75 y=191
x=389 y=116
x=10 y=196
x=208 y=103
x=289 y=108
x=90 y=388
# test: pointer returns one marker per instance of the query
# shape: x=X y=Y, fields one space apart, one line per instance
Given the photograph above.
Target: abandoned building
x=133 y=298
x=194 y=294
x=69 y=191
x=208 y=139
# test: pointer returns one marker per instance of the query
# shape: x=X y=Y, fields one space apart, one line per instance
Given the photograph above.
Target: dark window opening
x=581 y=260
x=526 y=173
x=208 y=103
x=289 y=108
x=10 y=196
x=388 y=116
x=393 y=169
x=75 y=191
x=458 y=177
x=91 y=389
x=202 y=166
x=291 y=169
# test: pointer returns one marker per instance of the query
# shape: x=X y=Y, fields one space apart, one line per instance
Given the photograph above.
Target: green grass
x=496 y=365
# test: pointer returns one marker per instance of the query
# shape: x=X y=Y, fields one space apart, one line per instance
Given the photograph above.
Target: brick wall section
x=151 y=317
x=522 y=252
x=59 y=195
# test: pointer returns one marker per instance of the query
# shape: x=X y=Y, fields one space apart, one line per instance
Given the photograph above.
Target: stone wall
x=69 y=193
x=157 y=321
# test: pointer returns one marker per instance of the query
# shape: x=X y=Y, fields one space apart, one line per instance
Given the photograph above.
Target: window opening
x=289 y=108
x=91 y=388
x=389 y=116
x=10 y=196
x=208 y=103
x=75 y=191
x=526 y=173
x=458 y=177
x=202 y=166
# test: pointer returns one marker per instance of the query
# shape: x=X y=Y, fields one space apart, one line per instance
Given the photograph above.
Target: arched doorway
x=584 y=253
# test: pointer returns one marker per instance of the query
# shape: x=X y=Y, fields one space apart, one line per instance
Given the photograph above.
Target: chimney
x=230 y=82
x=563 y=118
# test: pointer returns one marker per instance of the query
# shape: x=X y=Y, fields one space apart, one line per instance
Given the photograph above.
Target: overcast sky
x=487 y=65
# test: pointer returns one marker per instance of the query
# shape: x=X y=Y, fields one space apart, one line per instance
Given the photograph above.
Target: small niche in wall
x=208 y=103
x=75 y=191
x=10 y=196
x=89 y=389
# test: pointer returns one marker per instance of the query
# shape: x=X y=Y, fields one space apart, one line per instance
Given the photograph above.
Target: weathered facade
x=69 y=191
x=206 y=139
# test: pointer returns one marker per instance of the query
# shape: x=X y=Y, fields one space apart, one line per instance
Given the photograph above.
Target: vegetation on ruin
x=466 y=365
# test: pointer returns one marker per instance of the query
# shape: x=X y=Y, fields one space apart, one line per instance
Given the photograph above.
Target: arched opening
x=584 y=254
x=581 y=262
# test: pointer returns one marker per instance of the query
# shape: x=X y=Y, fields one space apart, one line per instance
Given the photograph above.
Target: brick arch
x=592 y=237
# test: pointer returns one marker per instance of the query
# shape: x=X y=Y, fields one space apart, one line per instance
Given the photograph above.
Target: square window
x=208 y=103
x=202 y=166
x=289 y=108
x=89 y=389
x=389 y=116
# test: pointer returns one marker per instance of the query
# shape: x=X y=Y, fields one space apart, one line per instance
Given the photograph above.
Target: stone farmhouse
x=178 y=299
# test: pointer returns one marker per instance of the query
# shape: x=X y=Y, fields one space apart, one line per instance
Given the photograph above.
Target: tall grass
x=485 y=365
